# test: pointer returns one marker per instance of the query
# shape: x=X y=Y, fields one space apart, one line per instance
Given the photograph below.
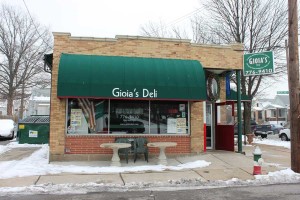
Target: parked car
x=276 y=128
x=253 y=125
x=7 y=128
x=263 y=130
x=285 y=134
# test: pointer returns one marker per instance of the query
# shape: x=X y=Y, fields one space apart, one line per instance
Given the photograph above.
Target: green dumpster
x=34 y=130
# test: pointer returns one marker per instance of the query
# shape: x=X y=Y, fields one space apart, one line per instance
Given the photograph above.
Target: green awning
x=130 y=78
x=233 y=96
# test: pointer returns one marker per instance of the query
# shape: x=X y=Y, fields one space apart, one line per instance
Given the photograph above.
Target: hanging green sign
x=282 y=92
x=258 y=63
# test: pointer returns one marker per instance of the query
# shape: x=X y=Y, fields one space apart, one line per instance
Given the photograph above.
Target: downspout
x=204 y=126
x=239 y=110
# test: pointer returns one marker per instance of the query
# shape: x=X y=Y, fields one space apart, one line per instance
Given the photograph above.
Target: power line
x=35 y=26
x=178 y=19
x=262 y=48
x=183 y=17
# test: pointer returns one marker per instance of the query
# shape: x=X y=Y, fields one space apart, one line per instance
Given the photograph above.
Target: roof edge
x=234 y=46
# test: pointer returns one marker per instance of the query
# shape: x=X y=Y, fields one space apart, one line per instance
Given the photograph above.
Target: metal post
x=239 y=111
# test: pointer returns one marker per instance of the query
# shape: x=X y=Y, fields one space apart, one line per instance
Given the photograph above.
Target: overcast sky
x=108 y=18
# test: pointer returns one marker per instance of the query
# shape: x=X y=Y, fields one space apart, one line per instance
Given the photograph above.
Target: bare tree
x=179 y=33
x=201 y=31
x=23 y=42
x=260 y=24
x=152 y=29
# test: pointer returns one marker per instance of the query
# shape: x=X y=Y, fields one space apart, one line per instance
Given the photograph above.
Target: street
x=4 y=141
x=274 y=192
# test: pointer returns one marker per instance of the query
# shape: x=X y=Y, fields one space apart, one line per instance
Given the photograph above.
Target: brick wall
x=90 y=144
x=210 y=56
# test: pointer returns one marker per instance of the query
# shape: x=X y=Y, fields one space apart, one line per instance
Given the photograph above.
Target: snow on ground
x=285 y=144
x=37 y=164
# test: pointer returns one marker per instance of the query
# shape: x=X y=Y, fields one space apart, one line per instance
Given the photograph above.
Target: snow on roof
x=257 y=108
x=273 y=106
x=41 y=98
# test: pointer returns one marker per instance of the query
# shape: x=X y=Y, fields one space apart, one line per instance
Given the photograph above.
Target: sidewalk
x=224 y=166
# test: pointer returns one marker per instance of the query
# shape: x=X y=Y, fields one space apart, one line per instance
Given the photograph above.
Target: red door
x=224 y=123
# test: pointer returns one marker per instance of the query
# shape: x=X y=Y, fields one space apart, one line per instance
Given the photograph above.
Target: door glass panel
x=209 y=135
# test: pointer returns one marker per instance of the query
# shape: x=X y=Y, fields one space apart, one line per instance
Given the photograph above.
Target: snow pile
x=283 y=176
x=285 y=144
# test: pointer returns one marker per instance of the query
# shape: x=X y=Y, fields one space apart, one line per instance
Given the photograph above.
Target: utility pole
x=293 y=77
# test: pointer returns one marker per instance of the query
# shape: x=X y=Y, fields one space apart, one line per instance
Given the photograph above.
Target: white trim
x=108 y=115
x=189 y=119
x=66 y=123
x=149 y=117
x=204 y=112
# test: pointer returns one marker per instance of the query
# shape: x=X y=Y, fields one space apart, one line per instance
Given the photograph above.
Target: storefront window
x=168 y=117
x=87 y=116
x=126 y=117
x=129 y=116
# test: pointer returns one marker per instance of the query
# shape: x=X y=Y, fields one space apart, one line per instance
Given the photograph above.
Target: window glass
x=273 y=113
x=87 y=116
x=129 y=116
x=279 y=112
x=168 y=117
x=90 y=116
x=259 y=114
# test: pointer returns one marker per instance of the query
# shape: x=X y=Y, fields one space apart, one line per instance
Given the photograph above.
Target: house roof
x=273 y=106
x=257 y=108
x=41 y=92
x=282 y=100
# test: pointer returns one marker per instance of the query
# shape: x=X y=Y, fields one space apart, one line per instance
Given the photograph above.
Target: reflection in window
x=168 y=117
x=129 y=116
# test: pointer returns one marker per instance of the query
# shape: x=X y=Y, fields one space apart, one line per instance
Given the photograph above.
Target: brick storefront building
x=130 y=86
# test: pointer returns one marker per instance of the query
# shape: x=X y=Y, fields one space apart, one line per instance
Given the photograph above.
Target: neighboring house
x=258 y=113
x=3 y=109
x=39 y=102
x=272 y=111
x=278 y=111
